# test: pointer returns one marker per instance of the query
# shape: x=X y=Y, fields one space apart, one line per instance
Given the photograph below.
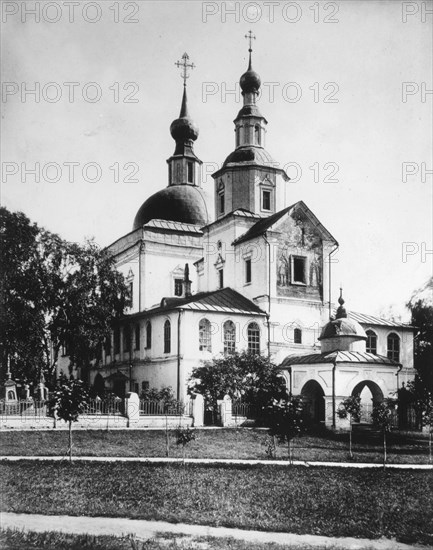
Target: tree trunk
x=70 y=441
x=290 y=452
x=429 y=446
x=167 y=444
x=350 y=440
x=384 y=448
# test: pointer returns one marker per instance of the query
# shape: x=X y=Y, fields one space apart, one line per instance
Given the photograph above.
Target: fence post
x=198 y=411
x=132 y=408
x=226 y=411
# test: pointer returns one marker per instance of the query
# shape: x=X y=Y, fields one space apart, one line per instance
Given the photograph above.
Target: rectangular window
x=266 y=200
x=129 y=300
x=136 y=387
x=108 y=345
x=221 y=278
x=248 y=271
x=178 y=287
x=190 y=169
x=126 y=338
x=299 y=265
x=137 y=337
x=221 y=203
x=117 y=340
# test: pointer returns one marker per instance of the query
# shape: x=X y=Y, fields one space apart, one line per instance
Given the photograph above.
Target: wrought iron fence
x=104 y=406
x=246 y=409
x=28 y=408
x=165 y=408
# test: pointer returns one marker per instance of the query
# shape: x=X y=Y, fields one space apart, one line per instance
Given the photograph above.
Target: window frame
x=148 y=335
x=204 y=335
x=178 y=283
x=253 y=338
x=269 y=198
x=393 y=352
x=229 y=343
x=247 y=271
x=297 y=335
x=220 y=278
x=167 y=336
x=190 y=171
x=368 y=347
x=137 y=335
x=293 y=259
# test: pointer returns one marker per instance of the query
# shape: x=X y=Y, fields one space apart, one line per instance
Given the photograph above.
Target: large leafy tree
x=421 y=307
x=53 y=293
x=250 y=377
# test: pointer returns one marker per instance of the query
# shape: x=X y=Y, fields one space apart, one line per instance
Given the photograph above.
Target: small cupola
x=342 y=333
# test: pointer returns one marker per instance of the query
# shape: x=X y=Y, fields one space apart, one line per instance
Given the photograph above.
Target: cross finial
x=185 y=66
x=250 y=37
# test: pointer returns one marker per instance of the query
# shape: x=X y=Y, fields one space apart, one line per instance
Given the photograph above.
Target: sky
x=345 y=90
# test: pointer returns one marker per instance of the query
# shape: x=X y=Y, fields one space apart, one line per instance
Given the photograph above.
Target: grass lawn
x=16 y=540
x=318 y=501
x=228 y=443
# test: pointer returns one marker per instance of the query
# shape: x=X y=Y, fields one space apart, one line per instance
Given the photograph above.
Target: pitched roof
x=264 y=224
x=337 y=357
x=172 y=225
x=225 y=300
x=378 y=321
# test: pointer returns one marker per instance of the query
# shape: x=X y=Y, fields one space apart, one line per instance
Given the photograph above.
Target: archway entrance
x=370 y=395
x=314 y=399
x=99 y=385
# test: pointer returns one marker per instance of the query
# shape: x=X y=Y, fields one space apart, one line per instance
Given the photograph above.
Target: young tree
x=422 y=401
x=53 y=294
x=382 y=417
x=287 y=422
x=68 y=402
x=251 y=377
x=351 y=407
x=184 y=436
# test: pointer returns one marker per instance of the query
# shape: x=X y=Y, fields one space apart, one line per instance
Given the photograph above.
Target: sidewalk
x=210 y=461
x=145 y=530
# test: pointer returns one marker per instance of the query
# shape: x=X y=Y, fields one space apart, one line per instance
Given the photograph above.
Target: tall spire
x=250 y=81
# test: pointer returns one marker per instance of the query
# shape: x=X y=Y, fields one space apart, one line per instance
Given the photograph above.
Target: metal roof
x=225 y=300
x=371 y=320
x=338 y=357
x=172 y=225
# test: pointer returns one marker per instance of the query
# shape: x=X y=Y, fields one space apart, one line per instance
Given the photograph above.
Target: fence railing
x=27 y=408
x=246 y=409
x=104 y=406
x=165 y=408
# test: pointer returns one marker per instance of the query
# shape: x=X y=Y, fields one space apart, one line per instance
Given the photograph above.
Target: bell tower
x=249 y=176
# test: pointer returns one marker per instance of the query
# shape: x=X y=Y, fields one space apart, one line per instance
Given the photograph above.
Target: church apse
x=299 y=259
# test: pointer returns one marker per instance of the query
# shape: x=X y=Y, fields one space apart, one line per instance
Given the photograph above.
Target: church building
x=254 y=275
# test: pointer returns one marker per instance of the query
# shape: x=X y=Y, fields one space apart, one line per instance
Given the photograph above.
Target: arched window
x=297 y=336
x=167 y=337
x=238 y=130
x=205 y=338
x=393 y=347
x=371 y=343
x=229 y=331
x=253 y=338
x=258 y=137
x=148 y=335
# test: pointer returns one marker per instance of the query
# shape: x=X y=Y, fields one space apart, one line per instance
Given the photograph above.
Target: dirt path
x=150 y=529
x=228 y=461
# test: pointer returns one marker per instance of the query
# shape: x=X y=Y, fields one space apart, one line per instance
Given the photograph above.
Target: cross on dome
x=185 y=66
x=250 y=37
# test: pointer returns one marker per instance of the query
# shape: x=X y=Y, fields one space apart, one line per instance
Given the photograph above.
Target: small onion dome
x=250 y=81
x=343 y=327
x=183 y=129
x=178 y=203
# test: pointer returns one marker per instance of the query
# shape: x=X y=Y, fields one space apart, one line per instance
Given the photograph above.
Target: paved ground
x=162 y=460
x=145 y=530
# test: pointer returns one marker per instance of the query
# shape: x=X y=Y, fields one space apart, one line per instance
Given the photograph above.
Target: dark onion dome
x=178 y=203
x=250 y=82
x=183 y=128
x=342 y=327
x=250 y=154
